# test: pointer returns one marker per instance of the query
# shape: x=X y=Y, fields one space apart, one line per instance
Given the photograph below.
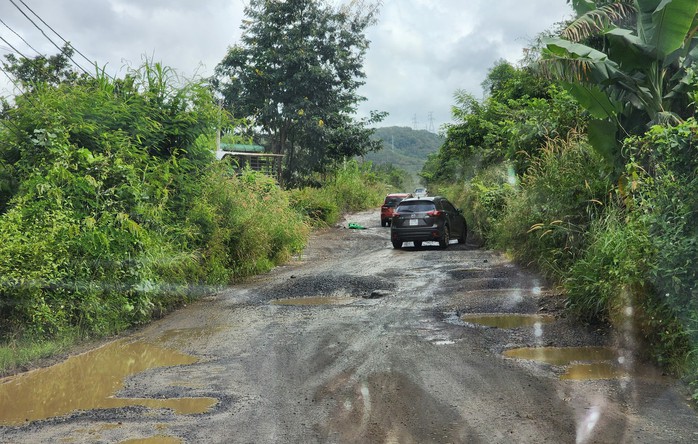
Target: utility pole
x=430 y=119
x=414 y=122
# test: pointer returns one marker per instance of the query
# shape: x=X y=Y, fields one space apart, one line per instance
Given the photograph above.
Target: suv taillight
x=434 y=213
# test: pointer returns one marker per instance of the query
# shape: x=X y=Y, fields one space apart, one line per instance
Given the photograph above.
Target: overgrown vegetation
x=353 y=187
x=598 y=192
x=113 y=209
x=547 y=217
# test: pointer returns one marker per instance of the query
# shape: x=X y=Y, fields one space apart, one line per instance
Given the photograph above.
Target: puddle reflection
x=507 y=320
x=562 y=355
x=90 y=381
x=596 y=370
x=584 y=363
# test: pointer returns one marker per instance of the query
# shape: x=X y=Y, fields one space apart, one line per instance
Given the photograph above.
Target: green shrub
x=318 y=205
x=352 y=187
x=355 y=187
x=482 y=198
x=116 y=211
x=642 y=252
x=663 y=186
x=546 y=218
x=244 y=225
x=612 y=282
x=613 y=267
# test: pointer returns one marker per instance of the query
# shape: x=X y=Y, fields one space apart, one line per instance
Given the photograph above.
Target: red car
x=388 y=208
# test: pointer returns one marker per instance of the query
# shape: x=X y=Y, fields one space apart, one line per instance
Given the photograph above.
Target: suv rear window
x=392 y=201
x=416 y=206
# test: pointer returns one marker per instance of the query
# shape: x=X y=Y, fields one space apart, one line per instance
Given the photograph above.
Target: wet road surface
x=358 y=342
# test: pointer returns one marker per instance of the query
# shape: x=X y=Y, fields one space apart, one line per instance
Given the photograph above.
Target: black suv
x=427 y=219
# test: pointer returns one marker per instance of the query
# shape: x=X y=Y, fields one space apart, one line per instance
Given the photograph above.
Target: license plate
x=414 y=222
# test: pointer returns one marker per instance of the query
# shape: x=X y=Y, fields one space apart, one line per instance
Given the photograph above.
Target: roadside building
x=252 y=157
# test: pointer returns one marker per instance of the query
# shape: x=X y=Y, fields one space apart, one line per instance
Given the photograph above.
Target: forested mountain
x=404 y=148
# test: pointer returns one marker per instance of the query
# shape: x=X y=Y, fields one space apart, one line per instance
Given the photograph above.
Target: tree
x=296 y=72
x=627 y=78
x=521 y=112
x=506 y=82
x=51 y=70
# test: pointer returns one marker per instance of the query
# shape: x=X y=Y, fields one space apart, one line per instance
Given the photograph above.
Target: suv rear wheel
x=445 y=238
x=397 y=244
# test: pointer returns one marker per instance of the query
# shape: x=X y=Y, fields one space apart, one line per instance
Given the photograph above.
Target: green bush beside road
x=113 y=209
x=619 y=240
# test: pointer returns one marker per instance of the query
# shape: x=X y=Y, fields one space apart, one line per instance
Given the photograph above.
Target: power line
x=12 y=47
x=9 y=77
x=15 y=33
x=44 y=33
x=19 y=88
x=9 y=123
x=56 y=32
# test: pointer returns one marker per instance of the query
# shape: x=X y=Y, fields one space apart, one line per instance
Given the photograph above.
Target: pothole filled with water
x=594 y=370
x=562 y=355
x=507 y=320
x=583 y=363
x=90 y=381
x=315 y=301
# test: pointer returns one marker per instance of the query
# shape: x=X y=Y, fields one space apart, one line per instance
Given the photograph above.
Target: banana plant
x=628 y=63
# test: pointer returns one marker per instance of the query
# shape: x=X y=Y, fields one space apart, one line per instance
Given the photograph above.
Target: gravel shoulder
x=382 y=354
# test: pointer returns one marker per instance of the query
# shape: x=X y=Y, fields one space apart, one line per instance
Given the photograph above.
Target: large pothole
x=326 y=286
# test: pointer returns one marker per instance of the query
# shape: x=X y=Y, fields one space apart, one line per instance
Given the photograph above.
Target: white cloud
x=422 y=51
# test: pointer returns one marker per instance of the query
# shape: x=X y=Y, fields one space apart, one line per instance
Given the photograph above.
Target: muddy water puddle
x=90 y=381
x=562 y=355
x=594 y=370
x=583 y=363
x=183 y=336
x=315 y=301
x=507 y=320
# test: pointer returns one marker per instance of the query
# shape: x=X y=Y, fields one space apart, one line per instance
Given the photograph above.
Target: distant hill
x=405 y=148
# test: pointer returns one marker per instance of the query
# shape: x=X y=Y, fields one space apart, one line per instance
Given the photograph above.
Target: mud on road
x=355 y=341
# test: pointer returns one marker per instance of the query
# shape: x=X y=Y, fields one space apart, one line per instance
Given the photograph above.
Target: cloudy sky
x=421 y=52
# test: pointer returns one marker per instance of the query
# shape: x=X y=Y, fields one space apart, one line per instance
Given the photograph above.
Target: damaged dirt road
x=358 y=342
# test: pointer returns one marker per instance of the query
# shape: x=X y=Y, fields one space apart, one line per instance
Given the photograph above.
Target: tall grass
x=483 y=198
x=624 y=254
x=244 y=225
x=352 y=187
x=547 y=217
x=114 y=210
x=612 y=282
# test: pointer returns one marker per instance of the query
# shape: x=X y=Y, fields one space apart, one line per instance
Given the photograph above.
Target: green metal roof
x=242 y=148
